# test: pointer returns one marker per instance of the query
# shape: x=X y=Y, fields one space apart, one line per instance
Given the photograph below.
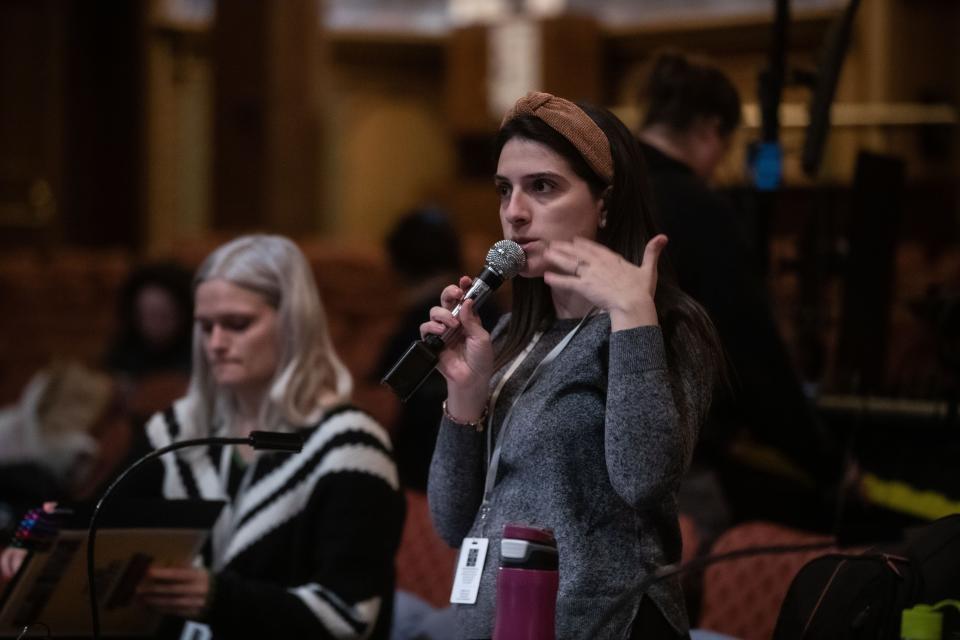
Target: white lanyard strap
x=492 y=404
x=494 y=463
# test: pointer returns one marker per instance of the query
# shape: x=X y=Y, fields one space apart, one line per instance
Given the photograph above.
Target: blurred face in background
x=707 y=147
x=239 y=331
x=541 y=200
x=158 y=317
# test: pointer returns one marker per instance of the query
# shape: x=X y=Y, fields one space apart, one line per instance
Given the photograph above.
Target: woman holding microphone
x=580 y=412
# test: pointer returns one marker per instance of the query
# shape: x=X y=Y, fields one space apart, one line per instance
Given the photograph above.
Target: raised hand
x=467 y=363
x=626 y=291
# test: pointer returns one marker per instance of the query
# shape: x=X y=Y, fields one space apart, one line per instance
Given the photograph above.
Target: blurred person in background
x=61 y=440
x=424 y=249
x=765 y=425
x=150 y=353
x=155 y=320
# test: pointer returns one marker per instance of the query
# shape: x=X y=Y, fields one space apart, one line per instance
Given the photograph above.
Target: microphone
x=275 y=441
x=504 y=260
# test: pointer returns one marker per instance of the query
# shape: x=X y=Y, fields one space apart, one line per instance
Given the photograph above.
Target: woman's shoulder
x=346 y=418
x=169 y=425
x=346 y=439
x=593 y=332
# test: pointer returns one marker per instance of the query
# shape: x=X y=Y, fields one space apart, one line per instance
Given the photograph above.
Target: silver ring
x=576 y=270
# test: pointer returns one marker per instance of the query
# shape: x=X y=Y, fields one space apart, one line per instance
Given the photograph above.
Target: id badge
x=466 y=582
x=195 y=631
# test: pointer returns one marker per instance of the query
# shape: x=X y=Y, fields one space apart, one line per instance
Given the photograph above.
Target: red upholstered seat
x=425 y=563
x=690 y=537
x=742 y=597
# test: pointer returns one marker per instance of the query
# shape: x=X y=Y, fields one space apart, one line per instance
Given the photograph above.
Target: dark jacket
x=713 y=266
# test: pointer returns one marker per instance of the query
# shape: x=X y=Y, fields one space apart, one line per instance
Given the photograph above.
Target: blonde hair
x=309 y=374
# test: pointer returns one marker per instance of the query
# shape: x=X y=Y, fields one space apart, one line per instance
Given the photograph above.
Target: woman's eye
x=541 y=186
x=503 y=190
x=236 y=324
x=205 y=326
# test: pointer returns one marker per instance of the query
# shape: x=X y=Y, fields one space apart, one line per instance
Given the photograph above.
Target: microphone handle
x=275 y=441
x=418 y=362
x=479 y=291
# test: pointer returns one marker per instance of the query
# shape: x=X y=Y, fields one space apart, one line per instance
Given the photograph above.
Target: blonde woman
x=305 y=545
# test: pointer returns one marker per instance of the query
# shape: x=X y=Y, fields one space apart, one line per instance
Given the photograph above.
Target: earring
x=603 y=222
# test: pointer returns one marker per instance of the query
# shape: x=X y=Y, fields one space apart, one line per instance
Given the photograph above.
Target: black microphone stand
x=260 y=440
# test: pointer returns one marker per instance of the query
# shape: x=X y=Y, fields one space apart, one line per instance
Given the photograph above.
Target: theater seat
x=742 y=597
x=690 y=537
x=425 y=563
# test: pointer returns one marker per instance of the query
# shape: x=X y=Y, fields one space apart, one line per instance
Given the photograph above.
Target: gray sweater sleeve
x=455 y=484
x=648 y=441
x=457 y=473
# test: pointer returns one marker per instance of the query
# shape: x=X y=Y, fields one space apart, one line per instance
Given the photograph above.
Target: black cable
x=702 y=562
x=261 y=440
x=27 y=628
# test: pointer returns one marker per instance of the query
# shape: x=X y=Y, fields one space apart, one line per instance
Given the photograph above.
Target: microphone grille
x=506 y=258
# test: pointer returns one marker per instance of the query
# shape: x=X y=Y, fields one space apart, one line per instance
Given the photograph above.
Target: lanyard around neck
x=494 y=460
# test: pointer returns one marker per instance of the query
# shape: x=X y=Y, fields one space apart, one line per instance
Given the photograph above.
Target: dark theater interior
x=220 y=218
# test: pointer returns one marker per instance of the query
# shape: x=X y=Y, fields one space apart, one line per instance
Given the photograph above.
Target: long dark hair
x=693 y=348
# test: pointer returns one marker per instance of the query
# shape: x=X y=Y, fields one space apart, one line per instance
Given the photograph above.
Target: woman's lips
x=525 y=243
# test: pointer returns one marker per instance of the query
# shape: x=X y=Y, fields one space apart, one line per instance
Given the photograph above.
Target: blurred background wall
x=157 y=128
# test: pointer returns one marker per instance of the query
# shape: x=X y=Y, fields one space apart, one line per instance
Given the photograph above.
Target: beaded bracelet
x=477 y=424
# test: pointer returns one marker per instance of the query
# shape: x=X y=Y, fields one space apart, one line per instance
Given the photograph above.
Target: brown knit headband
x=572 y=123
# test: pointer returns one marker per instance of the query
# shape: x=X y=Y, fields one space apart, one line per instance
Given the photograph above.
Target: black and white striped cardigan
x=307 y=548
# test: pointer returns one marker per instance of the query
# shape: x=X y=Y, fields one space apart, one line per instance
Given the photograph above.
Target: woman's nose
x=218 y=338
x=516 y=212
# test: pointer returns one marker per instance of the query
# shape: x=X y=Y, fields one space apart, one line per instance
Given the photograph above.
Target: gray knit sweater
x=596 y=451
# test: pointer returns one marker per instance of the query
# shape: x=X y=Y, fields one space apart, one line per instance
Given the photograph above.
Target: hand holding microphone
x=467 y=363
x=504 y=260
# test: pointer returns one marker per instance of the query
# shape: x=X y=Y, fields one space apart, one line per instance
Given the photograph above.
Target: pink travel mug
x=527 y=583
